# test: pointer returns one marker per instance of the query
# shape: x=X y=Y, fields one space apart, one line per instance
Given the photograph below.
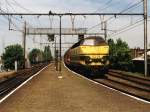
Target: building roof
x=138 y=58
x=142 y=57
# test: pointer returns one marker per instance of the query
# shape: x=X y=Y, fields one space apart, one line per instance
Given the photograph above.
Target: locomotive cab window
x=94 y=42
x=88 y=42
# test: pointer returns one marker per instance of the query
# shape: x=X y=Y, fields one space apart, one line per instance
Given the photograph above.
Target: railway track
x=132 y=85
x=20 y=77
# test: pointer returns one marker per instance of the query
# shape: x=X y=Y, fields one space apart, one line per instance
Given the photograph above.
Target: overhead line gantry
x=69 y=14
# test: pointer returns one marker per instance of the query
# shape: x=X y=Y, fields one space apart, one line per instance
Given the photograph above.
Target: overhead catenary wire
x=19 y=5
x=25 y=9
x=122 y=30
x=10 y=19
x=128 y=8
x=129 y=27
x=20 y=20
x=10 y=6
x=68 y=14
x=7 y=18
x=131 y=7
x=7 y=2
x=106 y=4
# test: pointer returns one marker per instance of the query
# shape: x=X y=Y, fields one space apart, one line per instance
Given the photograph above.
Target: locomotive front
x=93 y=52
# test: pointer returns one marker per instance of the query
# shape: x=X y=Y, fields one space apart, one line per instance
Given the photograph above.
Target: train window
x=88 y=42
x=94 y=42
x=91 y=42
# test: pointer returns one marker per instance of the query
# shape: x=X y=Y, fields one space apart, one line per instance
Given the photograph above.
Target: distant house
x=141 y=57
x=139 y=63
x=138 y=53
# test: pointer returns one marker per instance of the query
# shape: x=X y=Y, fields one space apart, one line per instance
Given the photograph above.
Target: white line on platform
x=134 y=97
x=9 y=94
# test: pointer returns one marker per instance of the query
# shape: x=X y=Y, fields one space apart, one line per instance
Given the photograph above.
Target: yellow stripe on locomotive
x=98 y=50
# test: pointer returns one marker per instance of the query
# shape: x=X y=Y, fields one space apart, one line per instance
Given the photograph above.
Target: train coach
x=90 y=53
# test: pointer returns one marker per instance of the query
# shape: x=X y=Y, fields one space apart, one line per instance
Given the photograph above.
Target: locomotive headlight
x=88 y=60
x=104 y=59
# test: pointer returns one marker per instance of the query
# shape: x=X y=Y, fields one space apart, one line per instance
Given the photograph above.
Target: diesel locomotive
x=90 y=53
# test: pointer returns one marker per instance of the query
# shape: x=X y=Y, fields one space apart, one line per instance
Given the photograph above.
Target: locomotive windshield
x=88 y=42
x=92 y=42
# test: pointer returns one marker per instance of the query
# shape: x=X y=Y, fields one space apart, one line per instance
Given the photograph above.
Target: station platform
x=49 y=92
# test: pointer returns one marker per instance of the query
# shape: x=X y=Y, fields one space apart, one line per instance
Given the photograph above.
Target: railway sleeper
x=125 y=88
x=129 y=83
x=133 y=79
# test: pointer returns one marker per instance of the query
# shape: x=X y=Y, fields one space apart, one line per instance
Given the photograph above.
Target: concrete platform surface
x=48 y=93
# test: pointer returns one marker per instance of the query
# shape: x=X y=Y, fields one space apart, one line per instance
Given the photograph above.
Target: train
x=90 y=54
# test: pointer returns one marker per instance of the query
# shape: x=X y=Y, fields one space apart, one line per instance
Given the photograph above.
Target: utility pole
x=24 y=44
x=60 y=46
x=55 y=56
x=105 y=30
x=145 y=36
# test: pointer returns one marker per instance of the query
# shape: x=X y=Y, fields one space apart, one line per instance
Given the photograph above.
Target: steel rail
x=9 y=84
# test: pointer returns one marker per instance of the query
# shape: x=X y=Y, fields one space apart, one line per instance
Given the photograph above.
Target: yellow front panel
x=94 y=63
x=91 y=64
x=94 y=50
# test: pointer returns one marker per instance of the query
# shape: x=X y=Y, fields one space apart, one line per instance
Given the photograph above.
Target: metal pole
x=145 y=36
x=60 y=46
x=46 y=48
x=105 y=29
x=24 y=44
x=55 y=55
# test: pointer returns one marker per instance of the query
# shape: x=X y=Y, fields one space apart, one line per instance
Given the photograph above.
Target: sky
x=133 y=37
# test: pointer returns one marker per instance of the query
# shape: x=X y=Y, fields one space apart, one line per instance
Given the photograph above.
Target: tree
x=13 y=53
x=47 y=54
x=35 y=56
x=120 y=57
x=112 y=51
